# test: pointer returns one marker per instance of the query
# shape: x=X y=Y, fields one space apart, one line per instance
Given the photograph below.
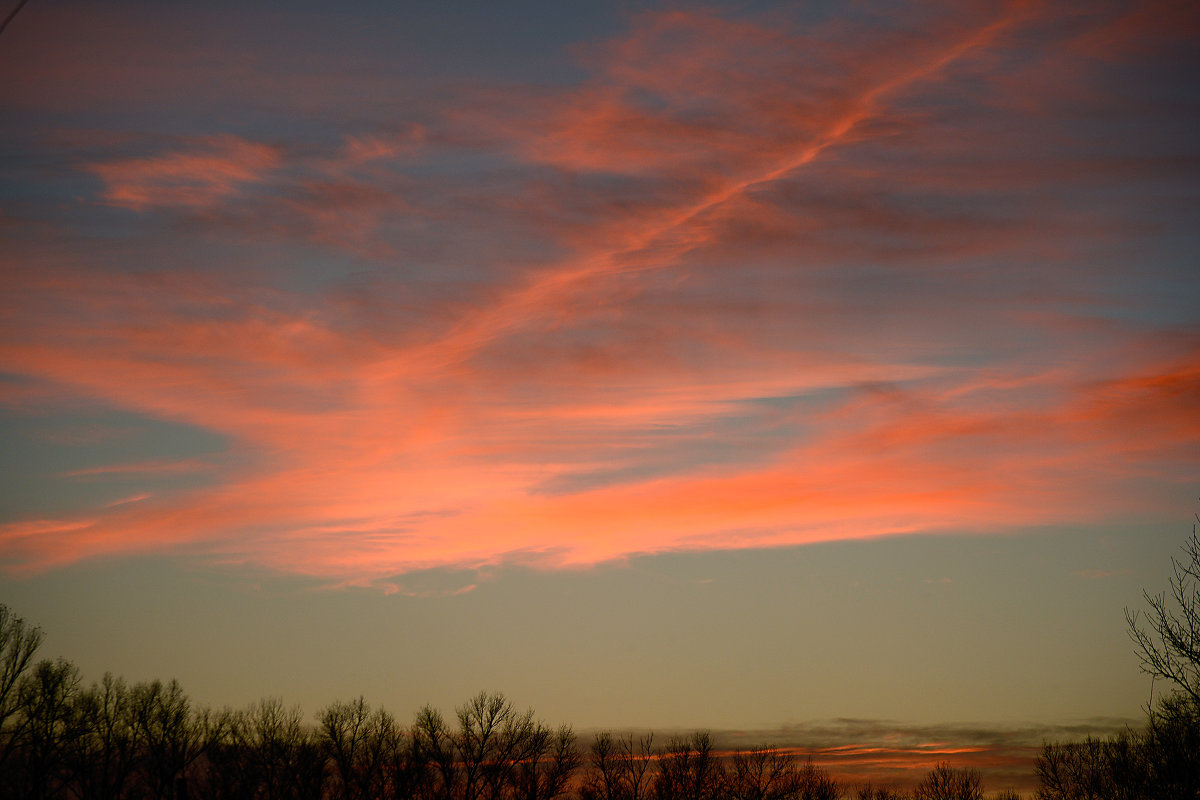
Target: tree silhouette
x=46 y=696
x=1076 y=770
x=762 y=774
x=546 y=772
x=1161 y=760
x=619 y=768
x=1169 y=647
x=433 y=751
x=101 y=759
x=815 y=784
x=147 y=742
x=869 y=791
x=944 y=782
x=360 y=743
x=765 y=773
x=18 y=643
x=172 y=736
x=492 y=741
x=689 y=770
x=1171 y=748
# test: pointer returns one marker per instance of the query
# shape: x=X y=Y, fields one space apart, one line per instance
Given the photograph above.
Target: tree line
x=147 y=741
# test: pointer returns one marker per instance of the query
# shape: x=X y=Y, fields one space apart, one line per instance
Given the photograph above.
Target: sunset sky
x=738 y=365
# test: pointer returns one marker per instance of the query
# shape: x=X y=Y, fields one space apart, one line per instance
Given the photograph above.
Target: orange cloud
x=213 y=170
x=141 y=467
x=370 y=480
x=628 y=388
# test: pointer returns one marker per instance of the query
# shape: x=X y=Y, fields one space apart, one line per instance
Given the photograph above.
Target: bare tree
x=102 y=758
x=763 y=773
x=619 y=768
x=944 y=782
x=275 y=738
x=402 y=771
x=766 y=773
x=1170 y=746
x=434 y=754
x=814 y=783
x=47 y=695
x=1085 y=770
x=1169 y=647
x=690 y=770
x=492 y=739
x=173 y=736
x=495 y=753
x=359 y=742
x=227 y=769
x=18 y=643
x=1160 y=760
x=546 y=773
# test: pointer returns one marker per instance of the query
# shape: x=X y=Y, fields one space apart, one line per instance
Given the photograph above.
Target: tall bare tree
x=173 y=736
x=762 y=774
x=47 y=696
x=547 y=771
x=274 y=740
x=101 y=759
x=493 y=738
x=619 y=768
x=690 y=770
x=944 y=782
x=1169 y=643
x=435 y=756
x=766 y=773
x=361 y=744
x=18 y=643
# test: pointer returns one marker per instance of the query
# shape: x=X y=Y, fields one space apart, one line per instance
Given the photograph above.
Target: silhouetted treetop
x=1169 y=645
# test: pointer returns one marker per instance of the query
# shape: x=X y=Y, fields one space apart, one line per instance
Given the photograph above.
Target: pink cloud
x=211 y=171
x=140 y=467
x=414 y=474
x=621 y=393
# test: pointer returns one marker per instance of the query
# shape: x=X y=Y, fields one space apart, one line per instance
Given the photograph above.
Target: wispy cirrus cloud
x=748 y=285
x=356 y=478
x=209 y=172
x=140 y=467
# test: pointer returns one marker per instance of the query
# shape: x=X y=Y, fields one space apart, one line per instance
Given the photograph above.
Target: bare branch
x=1168 y=645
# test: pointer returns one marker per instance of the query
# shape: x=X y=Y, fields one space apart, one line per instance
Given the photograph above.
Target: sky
x=734 y=365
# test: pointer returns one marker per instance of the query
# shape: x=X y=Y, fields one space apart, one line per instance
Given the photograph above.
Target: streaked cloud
x=199 y=176
x=748 y=284
x=141 y=467
x=897 y=755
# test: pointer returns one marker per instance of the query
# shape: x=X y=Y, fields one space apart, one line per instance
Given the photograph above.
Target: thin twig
x=12 y=14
